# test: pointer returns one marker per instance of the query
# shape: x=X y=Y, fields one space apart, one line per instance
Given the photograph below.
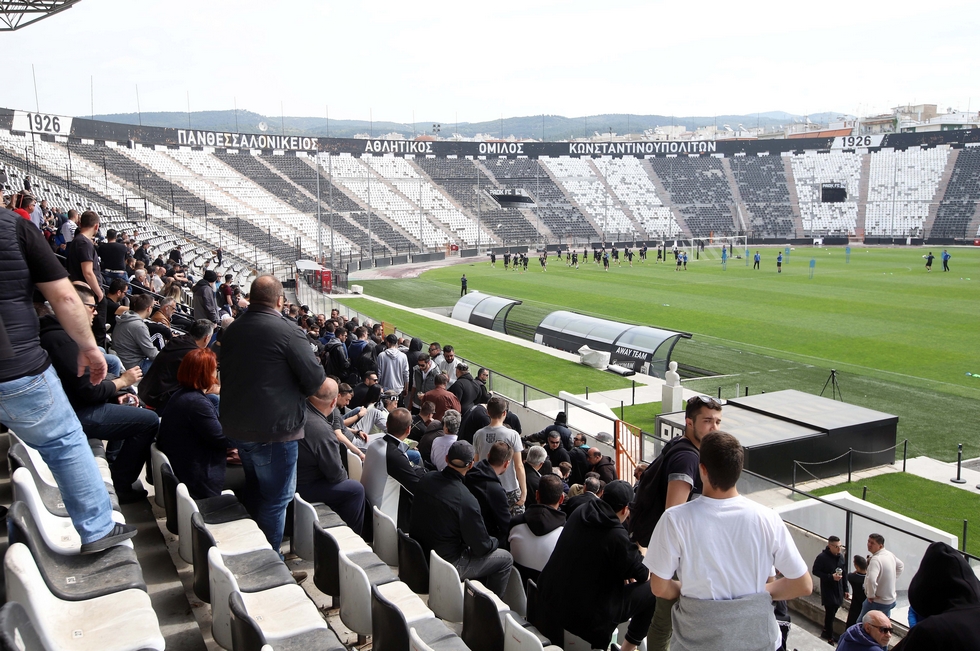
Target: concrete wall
x=824 y=521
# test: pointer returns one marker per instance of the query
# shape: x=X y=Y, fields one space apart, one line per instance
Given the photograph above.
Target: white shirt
x=68 y=230
x=722 y=548
x=449 y=368
x=884 y=568
x=440 y=448
x=532 y=551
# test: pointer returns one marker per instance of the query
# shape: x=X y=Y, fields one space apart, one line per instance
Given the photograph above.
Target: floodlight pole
x=319 y=220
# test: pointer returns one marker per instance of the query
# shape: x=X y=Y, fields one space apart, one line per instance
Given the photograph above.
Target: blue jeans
x=112 y=361
x=270 y=482
x=869 y=606
x=135 y=428
x=38 y=412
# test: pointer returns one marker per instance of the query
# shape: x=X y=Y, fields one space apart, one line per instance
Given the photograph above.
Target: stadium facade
x=287 y=197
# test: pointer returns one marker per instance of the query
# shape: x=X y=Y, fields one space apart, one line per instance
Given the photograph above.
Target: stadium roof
x=17 y=14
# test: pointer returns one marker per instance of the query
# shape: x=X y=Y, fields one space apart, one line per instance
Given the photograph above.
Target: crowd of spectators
x=293 y=397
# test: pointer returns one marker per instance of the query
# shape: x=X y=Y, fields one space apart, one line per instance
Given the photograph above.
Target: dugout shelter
x=640 y=348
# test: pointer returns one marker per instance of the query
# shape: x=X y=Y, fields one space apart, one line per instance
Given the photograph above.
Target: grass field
x=943 y=507
x=902 y=340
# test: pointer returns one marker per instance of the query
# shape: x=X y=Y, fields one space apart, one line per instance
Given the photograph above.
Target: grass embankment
x=931 y=502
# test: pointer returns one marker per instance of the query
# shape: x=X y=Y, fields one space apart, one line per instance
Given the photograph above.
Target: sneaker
x=131 y=494
x=119 y=533
x=299 y=577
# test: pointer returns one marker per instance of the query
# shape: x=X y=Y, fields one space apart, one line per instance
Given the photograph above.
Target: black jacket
x=572 y=503
x=447 y=518
x=63 y=352
x=587 y=598
x=160 y=382
x=267 y=372
x=606 y=469
x=532 y=478
x=401 y=470
x=469 y=392
x=205 y=305
x=335 y=360
x=484 y=483
x=945 y=594
x=824 y=566
x=474 y=419
x=540 y=519
x=190 y=435
x=556 y=456
x=580 y=465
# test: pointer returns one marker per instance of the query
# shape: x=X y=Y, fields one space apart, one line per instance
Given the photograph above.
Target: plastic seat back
x=186 y=507
x=389 y=629
x=304 y=515
x=415 y=642
x=518 y=638
x=355 y=467
x=169 y=482
x=413 y=568
x=385 y=537
x=445 y=589
x=482 y=630
x=18 y=457
x=245 y=632
x=17 y=632
x=514 y=595
x=355 y=597
x=201 y=543
x=157 y=459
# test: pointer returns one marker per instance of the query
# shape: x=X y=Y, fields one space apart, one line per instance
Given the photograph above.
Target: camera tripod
x=834 y=385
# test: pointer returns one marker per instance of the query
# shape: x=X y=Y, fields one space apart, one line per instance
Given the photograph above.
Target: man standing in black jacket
x=829 y=567
x=267 y=371
x=483 y=480
x=446 y=518
x=467 y=390
x=591 y=601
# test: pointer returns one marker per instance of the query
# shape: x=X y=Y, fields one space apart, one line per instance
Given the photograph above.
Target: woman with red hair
x=190 y=434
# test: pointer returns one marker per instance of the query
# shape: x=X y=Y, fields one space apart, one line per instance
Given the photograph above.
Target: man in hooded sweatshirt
x=393 y=366
x=131 y=336
x=534 y=533
x=945 y=597
x=205 y=304
x=591 y=600
x=870 y=634
x=483 y=480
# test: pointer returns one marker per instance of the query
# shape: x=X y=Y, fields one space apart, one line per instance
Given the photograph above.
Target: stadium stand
x=901 y=186
x=349 y=218
x=458 y=178
x=370 y=188
x=418 y=190
x=588 y=191
x=699 y=188
x=631 y=183
x=811 y=170
x=555 y=211
x=762 y=183
x=959 y=204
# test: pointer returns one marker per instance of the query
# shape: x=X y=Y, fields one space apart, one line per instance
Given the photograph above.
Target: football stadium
x=268 y=388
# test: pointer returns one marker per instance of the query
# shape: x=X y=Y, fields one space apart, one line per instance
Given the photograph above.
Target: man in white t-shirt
x=513 y=479
x=723 y=549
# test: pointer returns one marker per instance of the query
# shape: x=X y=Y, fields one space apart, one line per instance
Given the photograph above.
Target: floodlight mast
x=17 y=14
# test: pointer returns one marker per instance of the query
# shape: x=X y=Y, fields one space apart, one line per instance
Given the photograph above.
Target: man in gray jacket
x=131 y=336
x=393 y=367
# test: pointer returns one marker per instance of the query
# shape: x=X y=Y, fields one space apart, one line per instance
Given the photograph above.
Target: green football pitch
x=903 y=341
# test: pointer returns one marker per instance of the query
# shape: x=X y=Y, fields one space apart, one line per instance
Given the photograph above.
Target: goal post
x=734 y=245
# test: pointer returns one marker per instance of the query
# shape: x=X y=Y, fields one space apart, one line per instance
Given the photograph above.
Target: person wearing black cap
x=446 y=518
x=205 y=305
x=591 y=601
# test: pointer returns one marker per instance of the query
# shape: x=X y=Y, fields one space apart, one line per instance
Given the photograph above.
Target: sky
x=469 y=62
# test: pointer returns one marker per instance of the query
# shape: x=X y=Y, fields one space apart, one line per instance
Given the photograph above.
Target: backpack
x=650 y=497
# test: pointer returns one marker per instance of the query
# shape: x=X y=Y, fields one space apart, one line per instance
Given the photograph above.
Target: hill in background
x=547 y=127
